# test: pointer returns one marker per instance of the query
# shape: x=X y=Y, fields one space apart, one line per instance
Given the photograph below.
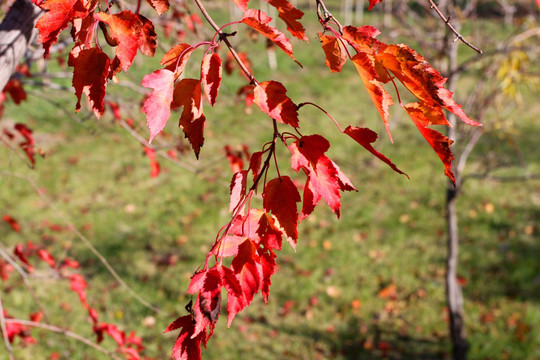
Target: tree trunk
x=454 y=296
x=17 y=31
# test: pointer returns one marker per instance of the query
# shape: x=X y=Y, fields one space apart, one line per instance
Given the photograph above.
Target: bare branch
x=4 y=332
x=66 y=333
x=451 y=27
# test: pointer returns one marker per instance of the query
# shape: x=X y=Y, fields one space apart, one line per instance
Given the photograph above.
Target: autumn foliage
x=242 y=259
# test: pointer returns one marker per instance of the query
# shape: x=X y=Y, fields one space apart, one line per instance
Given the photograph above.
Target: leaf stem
x=321 y=109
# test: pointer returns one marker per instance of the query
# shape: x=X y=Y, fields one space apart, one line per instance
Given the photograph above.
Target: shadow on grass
x=510 y=261
x=374 y=344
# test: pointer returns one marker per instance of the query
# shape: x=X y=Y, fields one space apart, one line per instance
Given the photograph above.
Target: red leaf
x=157 y=106
x=258 y=226
x=242 y=4
x=280 y=196
x=28 y=144
x=366 y=137
x=45 y=256
x=208 y=304
x=335 y=52
x=117 y=335
x=211 y=73
x=271 y=98
x=187 y=346
x=19 y=252
x=235 y=159
x=90 y=72
x=78 y=284
x=5 y=270
x=15 y=89
x=58 y=15
x=372 y=3
x=14 y=224
x=238 y=192
x=127 y=29
x=229 y=281
x=37 y=316
x=325 y=179
x=70 y=263
x=187 y=93
x=160 y=6
x=176 y=59
x=258 y=20
x=228 y=246
x=154 y=165
x=290 y=15
x=267 y=268
x=255 y=163
x=244 y=266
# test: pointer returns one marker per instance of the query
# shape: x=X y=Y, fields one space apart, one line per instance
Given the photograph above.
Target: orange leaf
x=336 y=54
x=388 y=292
x=421 y=79
x=439 y=142
x=365 y=65
x=176 y=59
x=160 y=6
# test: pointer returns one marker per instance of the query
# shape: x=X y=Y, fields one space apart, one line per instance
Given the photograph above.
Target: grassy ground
x=369 y=286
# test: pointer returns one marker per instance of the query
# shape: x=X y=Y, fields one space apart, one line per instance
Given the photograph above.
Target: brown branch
x=223 y=37
x=451 y=27
x=4 y=331
x=66 y=333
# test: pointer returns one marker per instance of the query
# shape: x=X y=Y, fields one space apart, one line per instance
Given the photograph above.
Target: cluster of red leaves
x=126 y=31
x=378 y=63
x=253 y=235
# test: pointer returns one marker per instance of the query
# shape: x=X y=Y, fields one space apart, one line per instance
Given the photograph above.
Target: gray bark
x=17 y=31
x=454 y=296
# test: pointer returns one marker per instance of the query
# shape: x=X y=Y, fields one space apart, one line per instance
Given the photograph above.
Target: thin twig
x=447 y=22
x=223 y=38
x=66 y=333
x=4 y=332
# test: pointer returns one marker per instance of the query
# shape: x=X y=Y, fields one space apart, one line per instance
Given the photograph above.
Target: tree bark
x=17 y=31
x=454 y=296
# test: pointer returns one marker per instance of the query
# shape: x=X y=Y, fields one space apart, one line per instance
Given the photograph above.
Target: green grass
x=391 y=231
